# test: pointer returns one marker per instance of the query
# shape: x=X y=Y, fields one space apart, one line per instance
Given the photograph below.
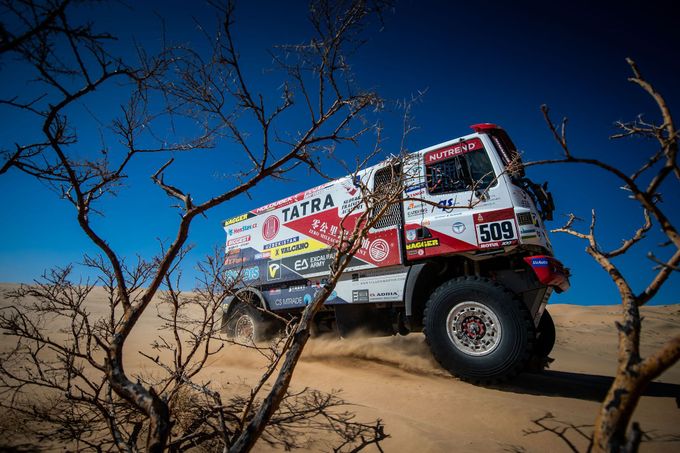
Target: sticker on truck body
x=496 y=228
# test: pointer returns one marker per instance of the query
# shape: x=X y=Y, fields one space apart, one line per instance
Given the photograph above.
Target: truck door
x=457 y=193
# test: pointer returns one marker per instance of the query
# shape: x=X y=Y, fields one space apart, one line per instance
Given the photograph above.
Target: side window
x=469 y=171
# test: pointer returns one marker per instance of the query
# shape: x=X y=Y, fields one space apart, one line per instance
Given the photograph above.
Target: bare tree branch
x=633 y=372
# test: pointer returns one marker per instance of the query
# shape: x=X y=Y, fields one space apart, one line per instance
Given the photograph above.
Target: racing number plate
x=496 y=234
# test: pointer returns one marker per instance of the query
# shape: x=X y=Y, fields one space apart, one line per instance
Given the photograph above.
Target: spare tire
x=478 y=330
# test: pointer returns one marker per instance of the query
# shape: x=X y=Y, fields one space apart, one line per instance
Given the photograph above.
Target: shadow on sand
x=578 y=385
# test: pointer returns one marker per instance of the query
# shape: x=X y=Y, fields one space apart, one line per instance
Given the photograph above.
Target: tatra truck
x=464 y=257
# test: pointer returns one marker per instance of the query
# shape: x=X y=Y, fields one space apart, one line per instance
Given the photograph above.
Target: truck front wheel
x=545 y=340
x=478 y=330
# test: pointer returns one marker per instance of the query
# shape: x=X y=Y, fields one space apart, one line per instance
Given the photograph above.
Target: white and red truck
x=465 y=258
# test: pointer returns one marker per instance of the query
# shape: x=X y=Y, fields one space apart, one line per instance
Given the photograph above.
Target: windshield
x=469 y=171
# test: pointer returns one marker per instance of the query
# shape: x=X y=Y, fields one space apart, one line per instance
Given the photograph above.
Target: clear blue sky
x=480 y=62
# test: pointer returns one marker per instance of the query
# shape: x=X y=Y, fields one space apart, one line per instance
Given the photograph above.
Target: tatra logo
x=270 y=228
x=307 y=207
x=458 y=227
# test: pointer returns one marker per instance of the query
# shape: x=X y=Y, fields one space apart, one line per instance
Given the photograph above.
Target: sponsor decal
x=411 y=235
x=293 y=248
x=301 y=265
x=262 y=256
x=539 y=262
x=349 y=186
x=315 y=262
x=232 y=252
x=416 y=212
x=270 y=228
x=350 y=204
x=411 y=189
x=280 y=243
x=288 y=301
x=247 y=274
x=324 y=227
x=241 y=229
x=296 y=248
x=239 y=240
x=360 y=295
x=529 y=232
x=307 y=299
x=445 y=204
x=496 y=244
x=239 y=218
x=453 y=150
x=495 y=216
x=279 y=203
x=379 y=250
x=316 y=190
x=274 y=270
x=230 y=261
x=308 y=207
x=384 y=295
x=423 y=244
x=458 y=227
x=296 y=288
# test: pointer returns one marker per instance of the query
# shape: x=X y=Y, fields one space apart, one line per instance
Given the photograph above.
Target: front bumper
x=549 y=271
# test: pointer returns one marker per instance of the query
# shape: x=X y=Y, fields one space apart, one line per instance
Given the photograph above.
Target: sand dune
x=426 y=410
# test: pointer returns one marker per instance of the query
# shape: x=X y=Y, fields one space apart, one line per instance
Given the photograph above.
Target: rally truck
x=464 y=257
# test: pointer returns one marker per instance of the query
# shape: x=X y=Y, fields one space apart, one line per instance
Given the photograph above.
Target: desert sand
x=424 y=409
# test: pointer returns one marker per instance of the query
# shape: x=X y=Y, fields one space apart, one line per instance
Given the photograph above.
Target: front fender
x=249 y=293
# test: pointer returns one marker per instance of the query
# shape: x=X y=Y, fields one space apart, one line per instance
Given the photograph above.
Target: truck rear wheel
x=478 y=330
x=245 y=323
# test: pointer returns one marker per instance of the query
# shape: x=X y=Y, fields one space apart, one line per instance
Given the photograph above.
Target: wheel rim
x=244 y=328
x=473 y=328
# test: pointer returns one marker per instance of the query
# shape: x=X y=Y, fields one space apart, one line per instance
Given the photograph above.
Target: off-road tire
x=545 y=341
x=494 y=335
x=245 y=323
